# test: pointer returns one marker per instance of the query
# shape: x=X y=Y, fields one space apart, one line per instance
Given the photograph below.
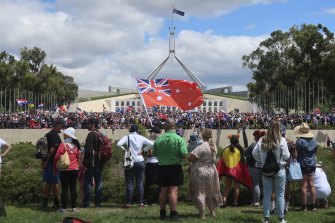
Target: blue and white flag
x=22 y=101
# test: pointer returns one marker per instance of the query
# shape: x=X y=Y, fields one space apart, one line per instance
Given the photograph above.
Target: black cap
x=59 y=121
x=133 y=128
x=155 y=129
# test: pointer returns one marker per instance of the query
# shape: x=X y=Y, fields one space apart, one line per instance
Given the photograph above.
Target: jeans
x=137 y=172
x=278 y=183
x=255 y=174
x=96 y=173
x=69 y=181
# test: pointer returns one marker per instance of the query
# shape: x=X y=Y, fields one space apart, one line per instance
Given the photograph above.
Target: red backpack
x=74 y=220
x=104 y=150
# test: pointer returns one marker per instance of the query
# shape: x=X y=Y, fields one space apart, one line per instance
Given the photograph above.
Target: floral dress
x=205 y=185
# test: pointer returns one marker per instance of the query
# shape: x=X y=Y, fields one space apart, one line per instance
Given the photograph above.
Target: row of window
x=204 y=109
x=133 y=103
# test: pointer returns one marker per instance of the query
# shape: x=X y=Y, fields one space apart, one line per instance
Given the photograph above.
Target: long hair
x=273 y=136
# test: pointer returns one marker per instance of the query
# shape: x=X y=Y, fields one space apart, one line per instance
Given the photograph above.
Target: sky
x=105 y=43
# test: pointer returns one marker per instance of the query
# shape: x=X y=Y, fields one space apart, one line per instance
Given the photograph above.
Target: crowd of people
x=123 y=120
x=162 y=165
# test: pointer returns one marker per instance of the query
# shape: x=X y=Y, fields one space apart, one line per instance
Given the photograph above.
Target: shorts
x=308 y=171
x=48 y=176
x=151 y=173
x=170 y=175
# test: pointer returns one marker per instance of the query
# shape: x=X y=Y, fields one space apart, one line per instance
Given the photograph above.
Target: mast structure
x=172 y=54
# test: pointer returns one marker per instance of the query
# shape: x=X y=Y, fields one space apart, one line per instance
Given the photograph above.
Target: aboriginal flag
x=232 y=164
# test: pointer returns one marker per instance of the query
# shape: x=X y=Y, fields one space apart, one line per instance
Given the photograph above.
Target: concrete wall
x=220 y=136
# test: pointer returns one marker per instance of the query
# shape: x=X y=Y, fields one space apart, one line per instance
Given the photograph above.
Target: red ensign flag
x=179 y=93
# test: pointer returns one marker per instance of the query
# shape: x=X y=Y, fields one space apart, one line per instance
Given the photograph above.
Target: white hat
x=303 y=131
x=70 y=132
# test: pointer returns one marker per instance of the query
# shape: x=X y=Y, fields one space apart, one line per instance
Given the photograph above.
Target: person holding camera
x=135 y=143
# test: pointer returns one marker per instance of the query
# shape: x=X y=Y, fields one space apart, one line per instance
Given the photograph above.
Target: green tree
x=285 y=65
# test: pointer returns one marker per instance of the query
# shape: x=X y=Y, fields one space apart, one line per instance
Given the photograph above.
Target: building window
x=138 y=103
x=133 y=103
x=117 y=103
x=204 y=109
x=122 y=103
x=204 y=104
x=215 y=109
x=209 y=103
x=221 y=103
x=210 y=109
x=215 y=103
x=128 y=103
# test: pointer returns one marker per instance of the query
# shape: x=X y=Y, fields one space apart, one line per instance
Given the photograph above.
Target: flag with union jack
x=179 y=93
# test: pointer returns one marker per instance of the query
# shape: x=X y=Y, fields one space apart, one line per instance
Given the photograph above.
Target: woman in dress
x=204 y=177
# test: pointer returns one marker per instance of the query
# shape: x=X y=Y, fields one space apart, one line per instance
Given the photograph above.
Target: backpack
x=104 y=150
x=271 y=165
x=42 y=148
x=74 y=220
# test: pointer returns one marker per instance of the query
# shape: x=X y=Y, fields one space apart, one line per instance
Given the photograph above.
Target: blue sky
x=260 y=19
x=103 y=43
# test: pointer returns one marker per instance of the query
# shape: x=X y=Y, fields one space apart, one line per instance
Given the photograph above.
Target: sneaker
x=272 y=211
x=141 y=206
x=283 y=221
x=126 y=206
x=234 y=205
x=312 y=207
x=61 y=210
x=256 y=205
x=73 y=210
x=303 y=208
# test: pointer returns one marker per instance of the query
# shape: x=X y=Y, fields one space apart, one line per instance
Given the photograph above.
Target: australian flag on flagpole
x=176 y=11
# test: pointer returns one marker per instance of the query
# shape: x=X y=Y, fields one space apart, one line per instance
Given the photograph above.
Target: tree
x=30 y=73
x=287 y=64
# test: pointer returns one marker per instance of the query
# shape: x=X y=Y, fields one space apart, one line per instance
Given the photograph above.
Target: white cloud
x=104 y=43
x=250 y=26
x=330 y=11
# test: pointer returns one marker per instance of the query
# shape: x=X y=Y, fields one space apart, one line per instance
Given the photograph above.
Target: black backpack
x=271 y=165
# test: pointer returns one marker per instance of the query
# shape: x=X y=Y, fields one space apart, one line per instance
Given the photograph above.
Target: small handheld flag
x=22 y=101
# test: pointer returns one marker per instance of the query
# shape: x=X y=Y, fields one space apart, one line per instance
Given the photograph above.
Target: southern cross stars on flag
x=179 y=93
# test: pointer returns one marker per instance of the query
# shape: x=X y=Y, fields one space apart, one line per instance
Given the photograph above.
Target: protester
x=254 y=168
x=275 y=142
x=6 y=147
x=151 y=167
x=93 y=165
x=68 y=176
x=321 y=184
x=135 y=146
x=232 y=165
x=170 y=149
x=51 y=182
x=306 y=147
x=204 y=177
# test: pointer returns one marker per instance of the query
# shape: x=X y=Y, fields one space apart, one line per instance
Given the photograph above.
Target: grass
x=188 y=213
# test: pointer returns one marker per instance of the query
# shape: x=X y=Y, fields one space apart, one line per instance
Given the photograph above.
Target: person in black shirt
x=93 y=165
x=50 y=181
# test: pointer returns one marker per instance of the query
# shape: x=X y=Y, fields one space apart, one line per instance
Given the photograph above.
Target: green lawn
x=112 y=213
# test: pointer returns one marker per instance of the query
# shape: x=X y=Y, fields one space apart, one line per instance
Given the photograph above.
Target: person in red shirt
x=69 y=175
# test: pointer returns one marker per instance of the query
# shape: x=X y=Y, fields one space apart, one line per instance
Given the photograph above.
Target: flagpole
x=145 y=106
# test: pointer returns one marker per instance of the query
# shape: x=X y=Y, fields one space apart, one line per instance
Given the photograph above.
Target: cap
x=59 y=121
x=155 y=129
x=133 y=128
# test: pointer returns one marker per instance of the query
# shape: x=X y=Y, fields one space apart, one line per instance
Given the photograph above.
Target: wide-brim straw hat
x=303 y=130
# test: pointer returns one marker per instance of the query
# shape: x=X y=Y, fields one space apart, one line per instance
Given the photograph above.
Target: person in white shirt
x=136 y=143
x=321 y=185
x=6 y=147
